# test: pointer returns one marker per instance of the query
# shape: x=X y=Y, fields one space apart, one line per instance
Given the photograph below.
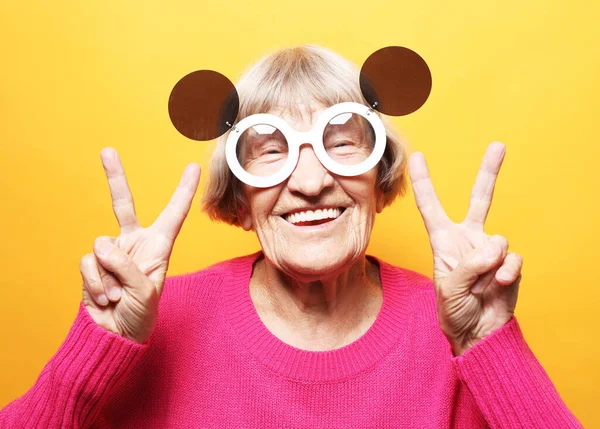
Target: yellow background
x=79 y=76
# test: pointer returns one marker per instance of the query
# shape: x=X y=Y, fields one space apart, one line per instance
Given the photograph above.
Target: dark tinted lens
x=349 y=138
x=201 y=103
x=397 y=78
x=262 y=150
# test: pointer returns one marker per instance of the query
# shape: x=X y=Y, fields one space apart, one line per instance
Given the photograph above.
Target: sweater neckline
x=388 y=329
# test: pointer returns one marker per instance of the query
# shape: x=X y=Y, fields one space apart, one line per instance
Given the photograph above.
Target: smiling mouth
x=313 y=217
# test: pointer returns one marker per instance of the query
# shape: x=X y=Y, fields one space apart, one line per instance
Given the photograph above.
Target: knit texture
x=212 y=363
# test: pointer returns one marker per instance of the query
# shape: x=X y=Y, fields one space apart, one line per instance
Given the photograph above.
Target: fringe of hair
x=284 y=79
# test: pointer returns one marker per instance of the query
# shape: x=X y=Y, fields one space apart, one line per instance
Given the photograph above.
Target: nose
x=309 y=177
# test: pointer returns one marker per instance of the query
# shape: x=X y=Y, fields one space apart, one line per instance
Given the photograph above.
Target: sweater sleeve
x=509 y=385
x=73 y=384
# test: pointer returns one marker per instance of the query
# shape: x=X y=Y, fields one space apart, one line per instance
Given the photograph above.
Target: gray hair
x=282 y=78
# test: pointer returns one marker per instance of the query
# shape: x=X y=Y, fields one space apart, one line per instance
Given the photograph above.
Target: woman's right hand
x=124 y=276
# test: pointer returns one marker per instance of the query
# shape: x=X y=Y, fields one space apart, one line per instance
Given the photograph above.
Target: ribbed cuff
x=509 y=385
x=73 y=383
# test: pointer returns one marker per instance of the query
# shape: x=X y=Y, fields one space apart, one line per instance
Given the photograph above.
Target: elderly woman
x=310 y=331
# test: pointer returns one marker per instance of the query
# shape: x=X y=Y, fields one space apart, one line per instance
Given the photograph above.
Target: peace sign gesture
x=124 y=277
x=476 y=279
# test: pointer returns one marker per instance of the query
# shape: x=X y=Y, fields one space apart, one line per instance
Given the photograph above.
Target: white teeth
x=313 y=215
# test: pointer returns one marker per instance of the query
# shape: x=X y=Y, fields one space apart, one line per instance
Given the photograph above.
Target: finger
x=482 y=282
x=478 y=263
x=119 y=263
x=483 y=190
x=427 y=200
x=91 y=279
x=122 y=200
x=500 y=244
x=510 y=269
x=170 y=220
x=112 y=286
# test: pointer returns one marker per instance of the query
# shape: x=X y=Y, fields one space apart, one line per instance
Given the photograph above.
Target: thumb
x=478 y=262
x=118 y=262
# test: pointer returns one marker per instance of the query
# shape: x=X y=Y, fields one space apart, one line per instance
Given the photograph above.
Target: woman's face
x=313 y=250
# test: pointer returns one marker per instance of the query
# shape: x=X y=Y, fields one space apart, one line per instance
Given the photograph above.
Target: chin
x=312 y=263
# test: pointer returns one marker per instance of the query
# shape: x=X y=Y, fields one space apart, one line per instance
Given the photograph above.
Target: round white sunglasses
x=313 y=137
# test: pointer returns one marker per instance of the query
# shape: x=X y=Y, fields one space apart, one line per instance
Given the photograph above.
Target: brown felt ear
x=397 y=79
x=202 y=103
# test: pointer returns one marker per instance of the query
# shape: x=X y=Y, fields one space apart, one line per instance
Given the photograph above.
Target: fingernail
x=103 y=247
x=491 y=251
x=114 y=293
x=503 y=277
x=102 y=300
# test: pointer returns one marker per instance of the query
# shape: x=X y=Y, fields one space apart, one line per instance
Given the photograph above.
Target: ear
x=379 y=196
x=203 y=105
x=395 y=80
x=245 y=219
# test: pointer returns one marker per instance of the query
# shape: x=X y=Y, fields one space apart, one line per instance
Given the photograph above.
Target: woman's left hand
x=476 y=279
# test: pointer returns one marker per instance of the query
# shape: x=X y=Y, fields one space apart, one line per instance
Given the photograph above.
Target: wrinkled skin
x=476 y=292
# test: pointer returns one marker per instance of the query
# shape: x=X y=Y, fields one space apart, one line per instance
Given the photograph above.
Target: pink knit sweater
x=212 y=363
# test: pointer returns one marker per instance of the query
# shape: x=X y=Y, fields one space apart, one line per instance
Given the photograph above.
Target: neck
x=320 y=314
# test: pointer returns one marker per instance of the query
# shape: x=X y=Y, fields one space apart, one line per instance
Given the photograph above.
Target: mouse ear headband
x=394 y=81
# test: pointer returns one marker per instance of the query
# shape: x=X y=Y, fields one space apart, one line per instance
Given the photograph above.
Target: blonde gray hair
x=285 y=78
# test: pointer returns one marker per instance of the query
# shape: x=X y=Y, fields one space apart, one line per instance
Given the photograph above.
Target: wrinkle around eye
x=256 y=149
